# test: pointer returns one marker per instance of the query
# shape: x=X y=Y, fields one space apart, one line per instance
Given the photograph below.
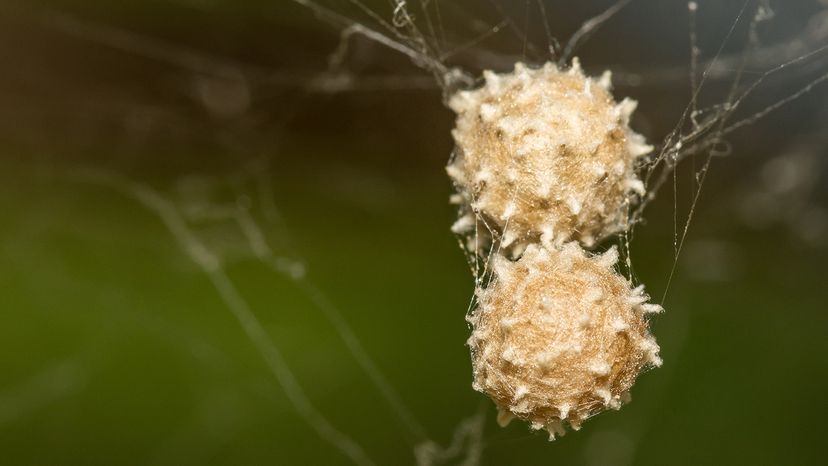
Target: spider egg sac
x=559 y=336
x=545 y=153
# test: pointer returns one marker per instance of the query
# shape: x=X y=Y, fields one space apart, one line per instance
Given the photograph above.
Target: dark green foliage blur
x=115 y=348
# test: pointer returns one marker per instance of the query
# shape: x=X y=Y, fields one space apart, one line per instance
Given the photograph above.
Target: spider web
x=452 y=45
x=416 y=29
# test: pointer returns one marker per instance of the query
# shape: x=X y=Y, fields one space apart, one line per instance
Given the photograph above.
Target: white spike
x=563 y=411
x=463 y=224
x=508 y=211
x=637 y=299
x=609 y=258
x=584 y=320
x=521 y=408
x=637 y=186
x=593 y=294
x=504 y=417
x=649 y=308
x=502 y=268
x=507 y=323
x=605 y=81
x=618 y=167
x=637 y=147
x=492 y=79
x=575 y=423
x=619 y=325
x=574 y=205
x=509 y=354
x=555 y=428
x=462 y=101
x=600 y=368
x=487 y=112
x=604 y=395
x=626 y=108
x=546 y=359
x=474 y=338
x=576 y=66
x=520 y=392
x=456 y=173
x=547 y=234
x=482 y=175
x=509 y=237
x=650 y=347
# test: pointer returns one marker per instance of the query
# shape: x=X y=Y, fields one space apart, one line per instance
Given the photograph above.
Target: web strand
x=237 y=305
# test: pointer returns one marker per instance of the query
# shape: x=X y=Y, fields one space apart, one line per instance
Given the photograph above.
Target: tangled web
x=738 y=67
x=417 y=29
x=453 y=43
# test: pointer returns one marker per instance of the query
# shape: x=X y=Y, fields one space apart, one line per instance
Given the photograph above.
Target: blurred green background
x=116 y=348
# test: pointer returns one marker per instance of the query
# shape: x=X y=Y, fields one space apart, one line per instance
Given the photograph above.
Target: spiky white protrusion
x=464 y=224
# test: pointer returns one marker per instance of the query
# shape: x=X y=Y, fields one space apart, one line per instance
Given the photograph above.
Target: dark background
x=115 y=348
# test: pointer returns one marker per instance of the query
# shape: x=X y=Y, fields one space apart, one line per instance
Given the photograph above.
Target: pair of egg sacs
x=546 y=160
